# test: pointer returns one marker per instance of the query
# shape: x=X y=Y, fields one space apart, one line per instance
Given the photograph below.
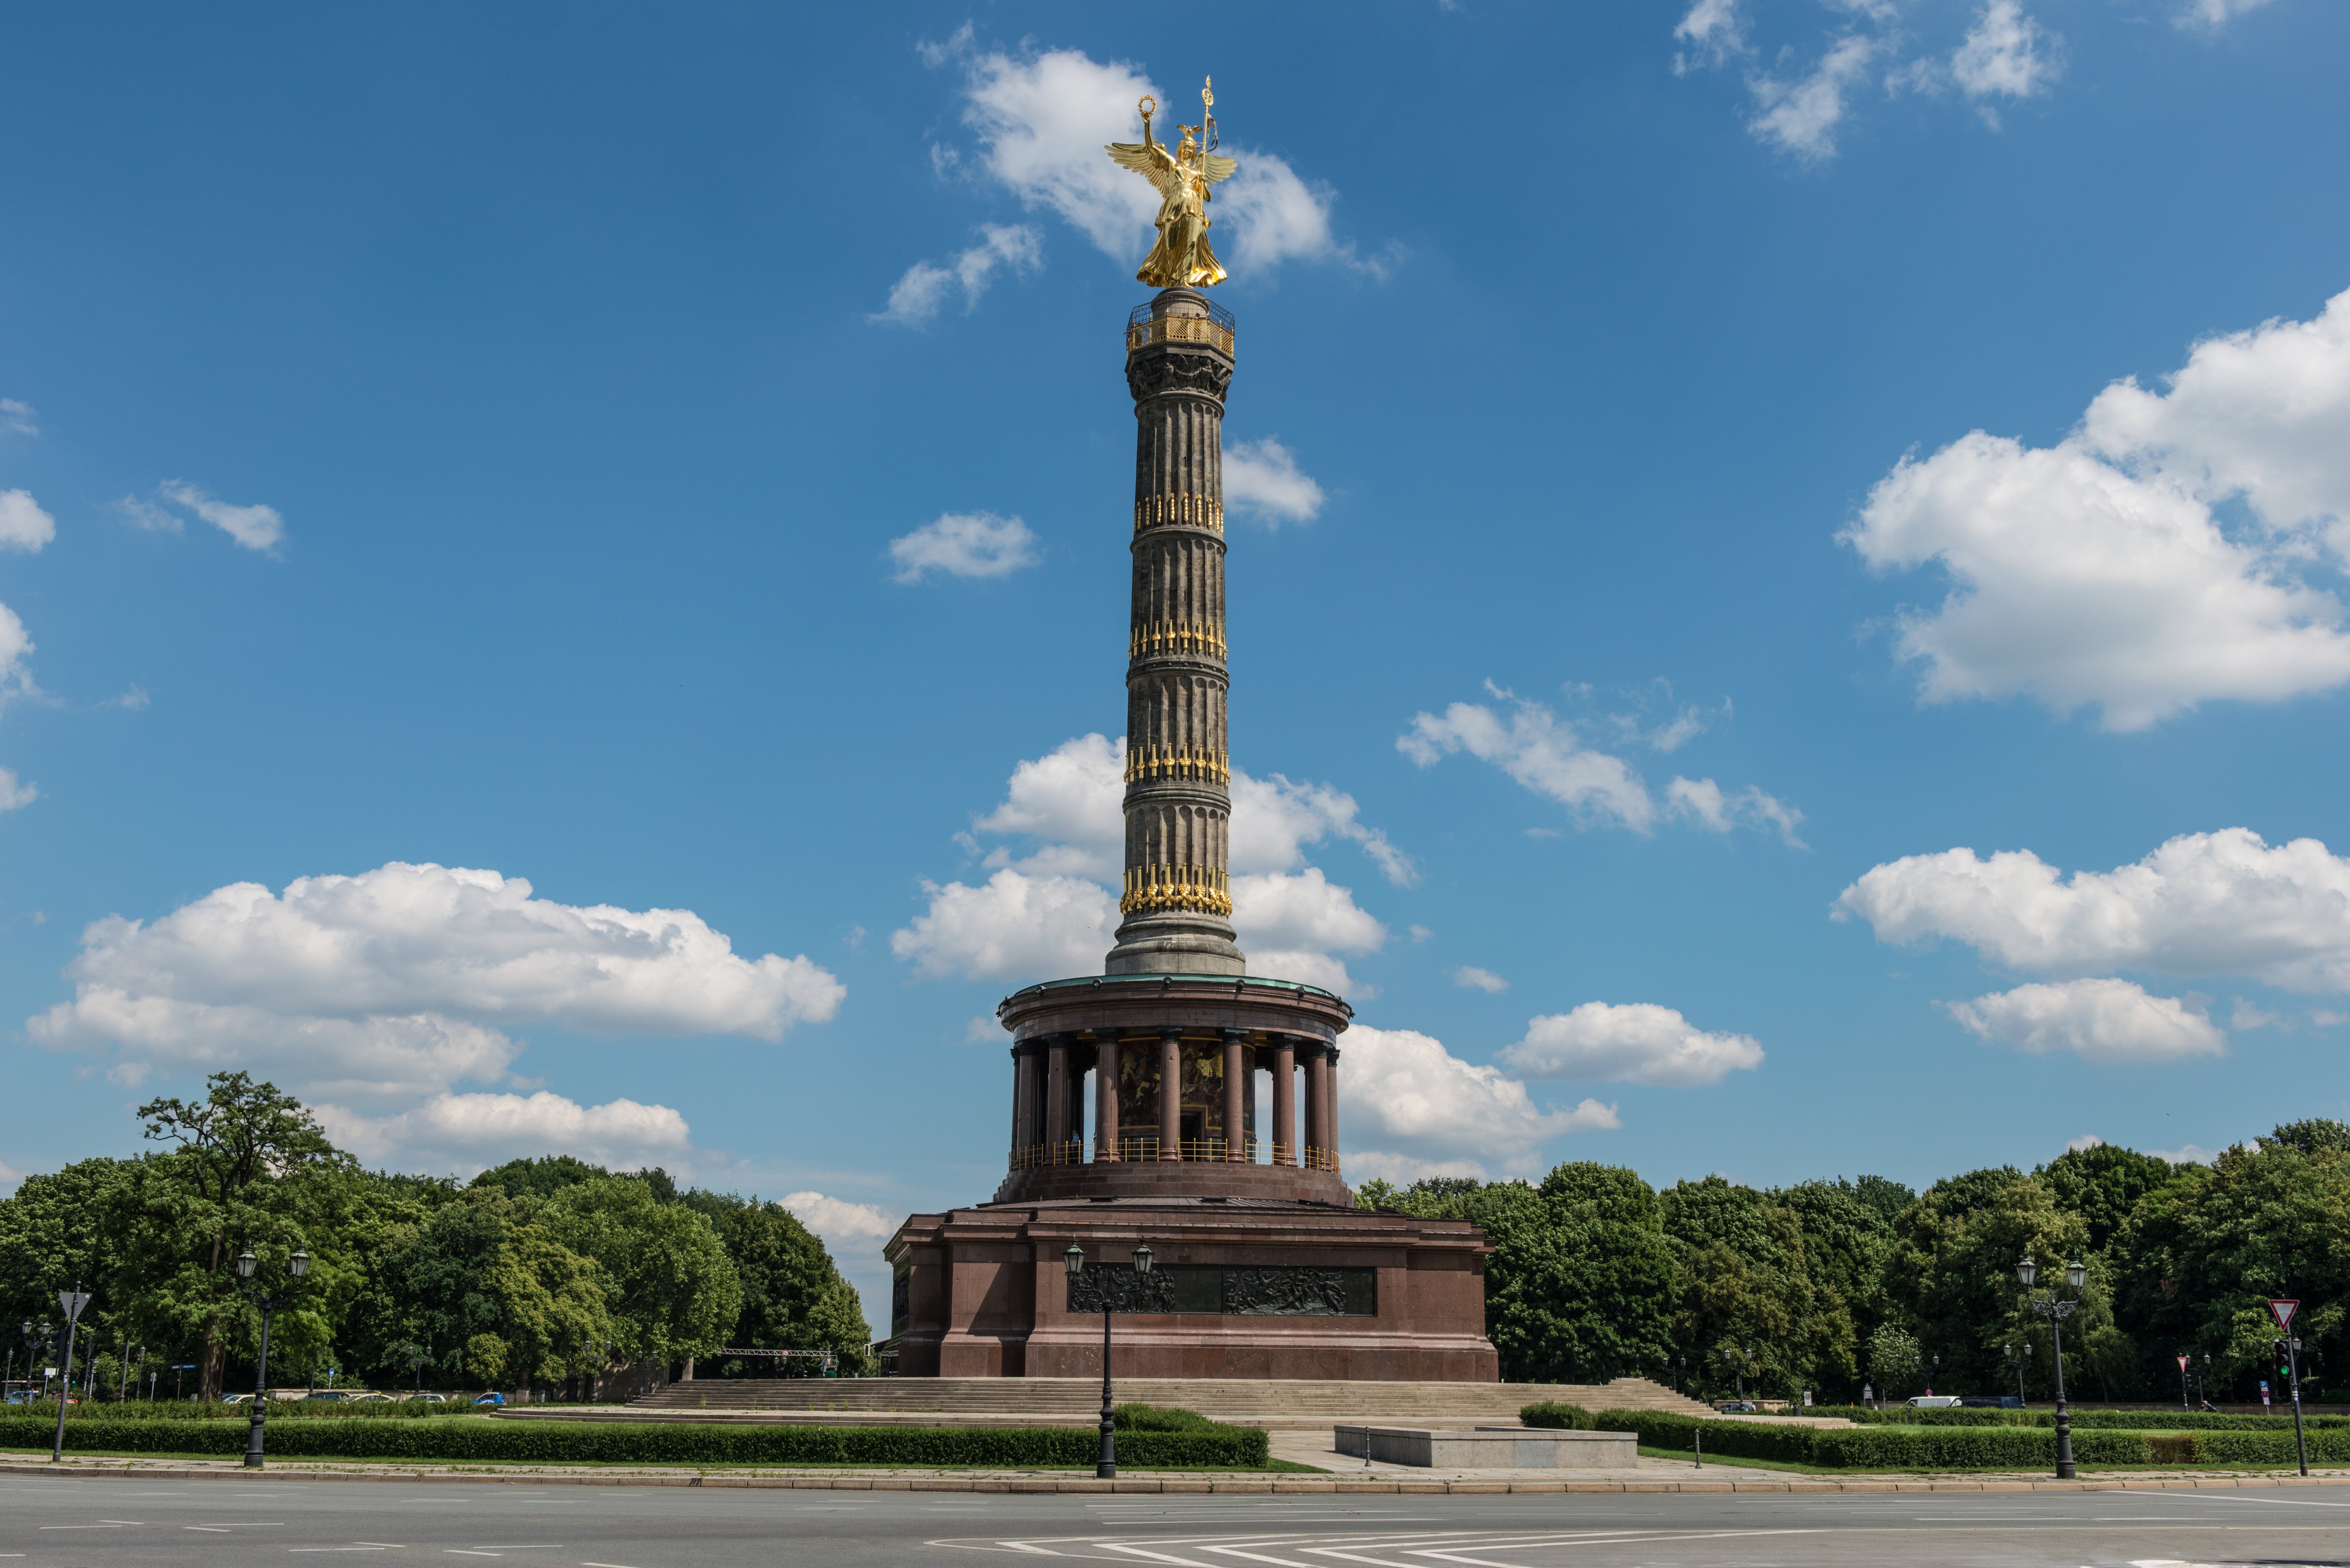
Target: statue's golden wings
x=1150 y=160
x=1156 y=165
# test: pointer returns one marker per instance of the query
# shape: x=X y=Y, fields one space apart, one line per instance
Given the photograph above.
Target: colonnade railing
x=1140 y=1149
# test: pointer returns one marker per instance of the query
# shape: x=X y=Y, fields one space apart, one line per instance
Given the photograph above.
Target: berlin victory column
x=1265 y=1268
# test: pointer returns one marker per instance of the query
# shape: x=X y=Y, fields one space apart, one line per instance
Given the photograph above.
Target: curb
x=1235 y=1485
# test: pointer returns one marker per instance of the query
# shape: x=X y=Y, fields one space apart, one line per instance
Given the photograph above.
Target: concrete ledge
x=1286 y=1485
x=1491 y=1447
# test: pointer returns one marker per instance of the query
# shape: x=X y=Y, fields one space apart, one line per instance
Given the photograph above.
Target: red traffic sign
x=2182 y=1364
x=2284 y=1310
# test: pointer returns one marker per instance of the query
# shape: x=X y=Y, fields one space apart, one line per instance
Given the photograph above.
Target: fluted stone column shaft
x=1056 y=1092
x=1316 y=1088
x=1235 y=1084
x=1284 y=1099
x=1106 y=1096
x=1171 y=1093
x=1330 y=1106
x=1177 y=893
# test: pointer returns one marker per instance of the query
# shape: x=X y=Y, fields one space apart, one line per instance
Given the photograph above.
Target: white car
x=1933 y=1402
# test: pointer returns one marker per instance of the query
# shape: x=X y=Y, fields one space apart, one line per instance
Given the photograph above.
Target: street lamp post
x=268 y=1302
x=1934 y=1374
x=2015 y=1354
x=2077 y=1275
x=1106 y=1461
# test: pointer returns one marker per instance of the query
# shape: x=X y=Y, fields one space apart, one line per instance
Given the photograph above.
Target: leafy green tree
x=247 y=1167
x=541 y=1177
x=1580 y=1285
x=2197 y=1259
x=1896 y=1365
x=495 y=1296
x=2103 y=1183
x=793 y=1297
x=1953 y=1274
x=1755 y=1294
x=671 y=1290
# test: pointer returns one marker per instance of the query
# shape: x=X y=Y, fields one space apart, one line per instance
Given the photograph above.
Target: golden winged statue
x=1182 y=258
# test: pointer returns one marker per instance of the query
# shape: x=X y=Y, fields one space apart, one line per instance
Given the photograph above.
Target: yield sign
x=2284 y=1310
x=2182 y=1364
x=72 y=1301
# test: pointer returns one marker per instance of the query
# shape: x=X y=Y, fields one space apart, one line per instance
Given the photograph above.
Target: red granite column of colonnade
x=1171 y=1093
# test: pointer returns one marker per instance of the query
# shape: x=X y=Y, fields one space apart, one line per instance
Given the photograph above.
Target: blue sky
x=1786 y=573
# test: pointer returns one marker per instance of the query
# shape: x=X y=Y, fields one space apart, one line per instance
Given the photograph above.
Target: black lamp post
x=1934 y=1371
x=268 y=1302
x=2077 y=1275
x=1106 y=1462
x=2015 y=1354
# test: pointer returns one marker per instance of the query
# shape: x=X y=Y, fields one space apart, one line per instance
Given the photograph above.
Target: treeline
x=539 y=1272
x=1831 y=1285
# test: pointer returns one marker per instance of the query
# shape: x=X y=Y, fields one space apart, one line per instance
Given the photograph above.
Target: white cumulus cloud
x=1042 y=119
x=2225 y=903
x=1548 y=755
x=14 y=792
x=1469 y=977
x=2006 y=54
x=1014 y=926
x=19 y=418
x=254 y=527
x=23 y=524
x=1402 y=1093
x=2214 y=14
x=1637 y=1043
x=2103 y=1021
x=469 y=1133
x=965 y=544
x=923 y=290
x=398 y=982
x=1048 y=907
x=1801 y=116
x=1261 y=479
x=2098 y=572
x=837 y=1218
x=1713 y=30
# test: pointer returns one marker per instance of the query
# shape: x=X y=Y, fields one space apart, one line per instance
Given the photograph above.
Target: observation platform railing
x=1141 y=1150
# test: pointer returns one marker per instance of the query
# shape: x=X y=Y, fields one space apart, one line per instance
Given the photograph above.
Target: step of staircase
x=1267 y=1402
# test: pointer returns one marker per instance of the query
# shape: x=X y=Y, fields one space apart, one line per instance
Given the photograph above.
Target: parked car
x=1990 y=1402
x=370 y=1398
x=493 y=1398
x=328 y=1397
x=1934 y=1402
x=1735 y=1407
x=234 y=1398
x=430 y=1399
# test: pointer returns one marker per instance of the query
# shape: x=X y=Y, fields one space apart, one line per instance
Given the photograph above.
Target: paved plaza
x=92 y=1521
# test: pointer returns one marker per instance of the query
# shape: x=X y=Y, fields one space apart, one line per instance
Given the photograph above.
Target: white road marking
x=81 y=1527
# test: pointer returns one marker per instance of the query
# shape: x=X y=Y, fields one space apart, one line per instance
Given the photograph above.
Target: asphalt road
x=98 y=1524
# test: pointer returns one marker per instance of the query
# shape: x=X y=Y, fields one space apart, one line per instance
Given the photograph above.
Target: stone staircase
x=1076 y=1401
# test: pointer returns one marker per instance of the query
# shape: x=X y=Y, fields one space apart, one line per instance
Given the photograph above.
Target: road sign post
x=2283 y=1310
x=72 y=1301
x=2182 y=1384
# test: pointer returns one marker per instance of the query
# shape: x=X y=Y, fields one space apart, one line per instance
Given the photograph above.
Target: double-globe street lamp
x=1106 y=1461
x=2077 y=1275
x=268 y=1302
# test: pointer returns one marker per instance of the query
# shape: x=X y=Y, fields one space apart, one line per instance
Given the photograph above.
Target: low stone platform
x=1490 y=1448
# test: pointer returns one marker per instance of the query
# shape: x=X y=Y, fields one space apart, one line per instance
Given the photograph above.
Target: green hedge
x=220 y=1410
x=1566 y=1417
x=656 y=1443
x=2046 y=1416
x=1879 y=1448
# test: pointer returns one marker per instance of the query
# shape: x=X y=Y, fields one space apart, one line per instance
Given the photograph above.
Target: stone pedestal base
x=1244 y=1288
